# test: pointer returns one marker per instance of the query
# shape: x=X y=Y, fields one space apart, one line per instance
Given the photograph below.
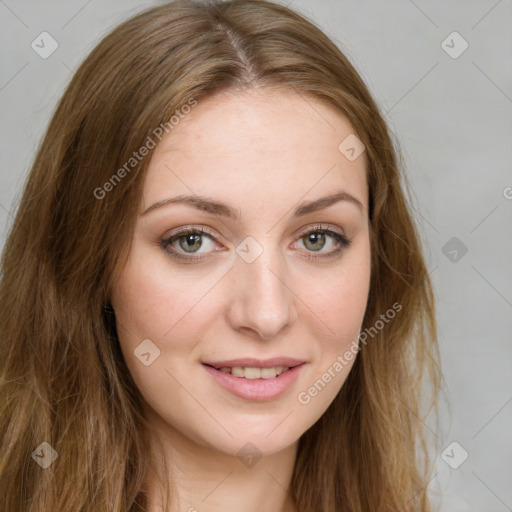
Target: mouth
x=257 y=382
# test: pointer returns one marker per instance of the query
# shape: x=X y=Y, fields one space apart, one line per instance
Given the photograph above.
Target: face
x=248 y=272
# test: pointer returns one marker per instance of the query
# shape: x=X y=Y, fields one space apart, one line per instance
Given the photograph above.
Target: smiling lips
x=253 y=379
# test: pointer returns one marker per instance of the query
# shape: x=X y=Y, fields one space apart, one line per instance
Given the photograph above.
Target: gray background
x=453 y=118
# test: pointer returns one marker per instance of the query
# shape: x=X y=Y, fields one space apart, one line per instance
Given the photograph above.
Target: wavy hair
x=63 y=378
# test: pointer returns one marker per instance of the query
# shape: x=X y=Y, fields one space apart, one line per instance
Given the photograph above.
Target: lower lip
x=257 y=390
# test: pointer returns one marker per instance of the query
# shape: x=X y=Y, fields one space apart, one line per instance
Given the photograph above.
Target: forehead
x=260 y=144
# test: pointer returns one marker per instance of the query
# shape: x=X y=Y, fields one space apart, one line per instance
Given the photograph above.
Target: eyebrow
x=211 y=206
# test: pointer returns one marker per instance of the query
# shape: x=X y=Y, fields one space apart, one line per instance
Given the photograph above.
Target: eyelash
x=343 y=242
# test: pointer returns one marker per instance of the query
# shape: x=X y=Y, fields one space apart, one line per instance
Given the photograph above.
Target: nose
x=262 y=298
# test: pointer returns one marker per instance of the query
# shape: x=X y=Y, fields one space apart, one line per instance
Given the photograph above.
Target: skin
x=262 y=151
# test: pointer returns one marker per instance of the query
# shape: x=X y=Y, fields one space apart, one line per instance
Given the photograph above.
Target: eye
x=188 y=241
x=318 y=238
x=194 y=241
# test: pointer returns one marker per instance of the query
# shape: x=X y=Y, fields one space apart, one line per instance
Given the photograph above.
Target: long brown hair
x=63 y=379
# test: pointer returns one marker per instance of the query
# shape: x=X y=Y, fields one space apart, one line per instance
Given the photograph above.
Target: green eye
x=316 y=239
x=196 y=241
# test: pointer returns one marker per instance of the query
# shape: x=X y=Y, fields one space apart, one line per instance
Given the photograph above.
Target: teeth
x=268 y=373
x=249 y=372
x=237 y=371
x=252 y=373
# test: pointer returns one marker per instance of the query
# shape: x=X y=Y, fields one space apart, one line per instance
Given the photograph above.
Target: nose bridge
x=264 y=300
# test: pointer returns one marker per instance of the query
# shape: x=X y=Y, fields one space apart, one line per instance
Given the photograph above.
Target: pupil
x=317 y=236
x=191 y=240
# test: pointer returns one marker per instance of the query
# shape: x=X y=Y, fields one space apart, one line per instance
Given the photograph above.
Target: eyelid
x=323 y=227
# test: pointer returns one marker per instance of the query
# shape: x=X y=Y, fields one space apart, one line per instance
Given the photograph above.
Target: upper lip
x=256 y=363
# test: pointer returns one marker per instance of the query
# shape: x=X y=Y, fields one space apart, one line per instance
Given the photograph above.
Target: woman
x=213 y=293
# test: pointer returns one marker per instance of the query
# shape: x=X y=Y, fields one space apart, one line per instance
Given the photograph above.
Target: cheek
x=337 y=311
x=339 y=300
x=148 y=299
x=158 y=301
x=153 y=303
